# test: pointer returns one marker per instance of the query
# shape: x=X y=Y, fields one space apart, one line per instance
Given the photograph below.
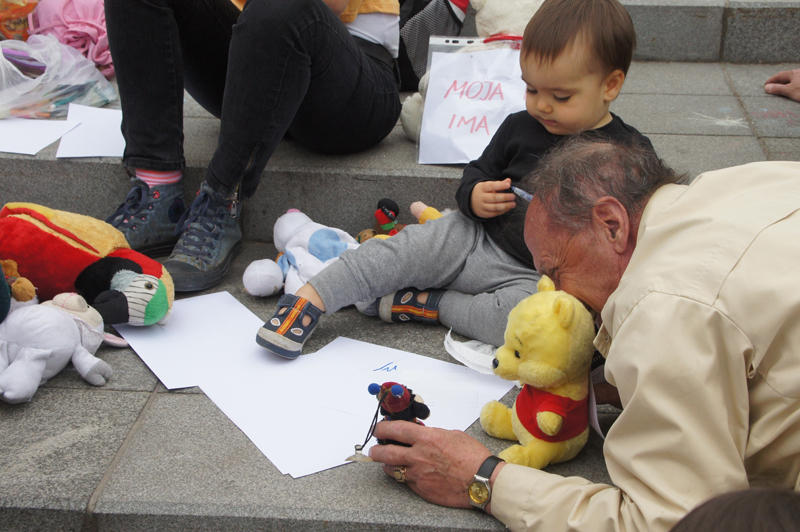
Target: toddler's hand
x=487 y=201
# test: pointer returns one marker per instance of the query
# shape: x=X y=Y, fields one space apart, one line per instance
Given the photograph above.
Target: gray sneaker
x=149 y=217
x=210 y=238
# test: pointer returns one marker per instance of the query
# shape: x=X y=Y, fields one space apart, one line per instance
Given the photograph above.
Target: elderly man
x=699 y=295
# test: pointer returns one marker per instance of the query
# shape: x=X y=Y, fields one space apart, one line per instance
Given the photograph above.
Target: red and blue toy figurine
x=398 y=403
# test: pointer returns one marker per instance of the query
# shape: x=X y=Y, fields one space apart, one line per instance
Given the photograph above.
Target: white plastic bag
x=468 y=96
x=40 y=77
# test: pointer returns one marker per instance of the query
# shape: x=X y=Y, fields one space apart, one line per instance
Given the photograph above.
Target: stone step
x=700 y=116
x=735 y=31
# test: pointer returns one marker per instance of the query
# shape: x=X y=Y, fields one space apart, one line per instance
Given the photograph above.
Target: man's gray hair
x=570 y=179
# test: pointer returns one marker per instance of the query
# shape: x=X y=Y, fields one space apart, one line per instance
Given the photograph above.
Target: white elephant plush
x=38 y=341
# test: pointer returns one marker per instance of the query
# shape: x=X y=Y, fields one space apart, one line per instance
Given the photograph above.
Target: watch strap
x=488 y=465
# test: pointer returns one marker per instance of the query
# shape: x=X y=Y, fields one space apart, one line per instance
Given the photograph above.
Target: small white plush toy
x=493 y=17
x=306 y=248
x=263 y=278
x=38 y=341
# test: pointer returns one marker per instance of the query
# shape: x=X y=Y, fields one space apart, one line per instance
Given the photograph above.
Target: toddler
x=467 y=270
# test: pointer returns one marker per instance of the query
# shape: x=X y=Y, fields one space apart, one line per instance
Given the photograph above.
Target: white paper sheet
x=98 y=134
x=201 y=334
x=277 y=403
x=29 y=137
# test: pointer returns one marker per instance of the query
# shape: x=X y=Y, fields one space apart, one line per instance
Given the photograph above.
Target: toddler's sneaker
x=149 y=216
x=210 y=237
x=284 y=334
x=402 y=306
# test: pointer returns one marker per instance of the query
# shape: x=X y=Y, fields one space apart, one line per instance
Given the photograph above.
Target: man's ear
x=611 y=222
x=612 y=85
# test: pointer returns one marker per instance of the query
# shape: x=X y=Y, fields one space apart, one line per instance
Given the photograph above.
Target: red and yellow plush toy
x=548 y=348
x=65 y=252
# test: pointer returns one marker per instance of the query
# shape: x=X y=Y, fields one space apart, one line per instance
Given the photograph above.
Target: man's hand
x=785 y=83
x=439 y=464
x=486 y=200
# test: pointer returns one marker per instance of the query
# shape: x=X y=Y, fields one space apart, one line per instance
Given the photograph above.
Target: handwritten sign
x=469 y=95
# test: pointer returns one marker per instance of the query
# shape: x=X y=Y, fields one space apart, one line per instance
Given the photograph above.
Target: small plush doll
x=398 y=403
x=306 y=248
x=22 y=289
x=38 y=341
x=65 y=252
x=386 y=218
x=548 y=347
x=419 y=210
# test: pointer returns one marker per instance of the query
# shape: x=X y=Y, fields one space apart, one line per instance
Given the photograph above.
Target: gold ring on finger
x=400 y=473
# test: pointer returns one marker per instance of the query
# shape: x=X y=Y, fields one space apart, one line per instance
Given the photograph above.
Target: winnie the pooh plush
x=548 y=347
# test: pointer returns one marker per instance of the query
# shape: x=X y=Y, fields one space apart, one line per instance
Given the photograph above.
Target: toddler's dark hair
x=604 y=27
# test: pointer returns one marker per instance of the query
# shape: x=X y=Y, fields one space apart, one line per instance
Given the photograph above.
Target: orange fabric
x=357 y=7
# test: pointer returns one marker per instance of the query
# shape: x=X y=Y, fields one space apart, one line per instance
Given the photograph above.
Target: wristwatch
x=480 y=492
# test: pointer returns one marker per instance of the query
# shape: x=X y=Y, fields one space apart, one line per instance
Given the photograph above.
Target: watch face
x=478 y=492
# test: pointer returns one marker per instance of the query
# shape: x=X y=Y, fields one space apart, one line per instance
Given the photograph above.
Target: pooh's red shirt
x=531 y=401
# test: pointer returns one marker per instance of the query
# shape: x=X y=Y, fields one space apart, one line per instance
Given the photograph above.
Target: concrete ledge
x=710 y=30
x=716 y=30
x=766 y=32
x=675 y=30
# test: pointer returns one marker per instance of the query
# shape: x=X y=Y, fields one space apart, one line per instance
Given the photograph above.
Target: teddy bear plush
x=493 y=19
x=548 y=348
x=21 y=289
x=65 y=252
x=38 y=340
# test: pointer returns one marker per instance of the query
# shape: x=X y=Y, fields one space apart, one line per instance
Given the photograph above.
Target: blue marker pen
x=522 y=194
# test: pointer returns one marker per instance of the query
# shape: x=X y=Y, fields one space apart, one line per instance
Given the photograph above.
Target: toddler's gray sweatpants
x=482 y=282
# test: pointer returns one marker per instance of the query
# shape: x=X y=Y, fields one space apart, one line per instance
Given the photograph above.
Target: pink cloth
x=80 y=24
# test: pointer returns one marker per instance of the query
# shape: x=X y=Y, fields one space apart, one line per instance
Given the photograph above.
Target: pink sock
x=155 y=177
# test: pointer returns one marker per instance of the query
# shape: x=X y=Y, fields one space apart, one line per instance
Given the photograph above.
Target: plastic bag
x=39 y=78
x=473 y=85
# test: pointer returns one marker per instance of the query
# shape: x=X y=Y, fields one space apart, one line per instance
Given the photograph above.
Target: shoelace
x=197 y=225
x=133 y=204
